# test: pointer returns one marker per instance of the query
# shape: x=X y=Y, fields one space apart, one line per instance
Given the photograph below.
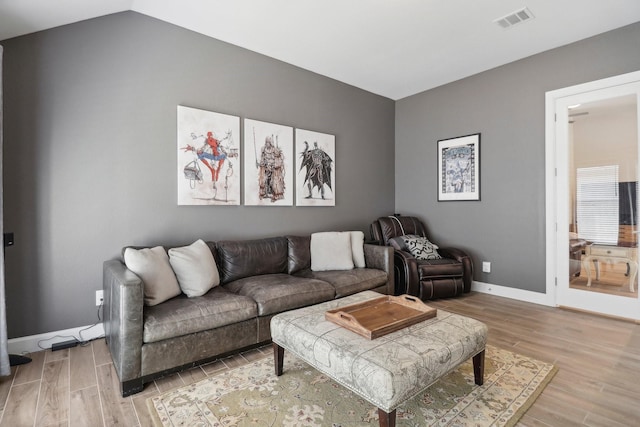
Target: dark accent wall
x=90 y=153
x=507 y=106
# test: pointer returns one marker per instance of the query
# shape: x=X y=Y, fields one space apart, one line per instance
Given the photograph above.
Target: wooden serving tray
x=381 y=316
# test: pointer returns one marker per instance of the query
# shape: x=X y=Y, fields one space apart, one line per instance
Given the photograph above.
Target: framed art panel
x=459 y=168
x=315 y=168
x=268 y=164
x=208 y=158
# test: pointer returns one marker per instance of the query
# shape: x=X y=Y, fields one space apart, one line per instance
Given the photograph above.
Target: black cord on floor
x=81 y=341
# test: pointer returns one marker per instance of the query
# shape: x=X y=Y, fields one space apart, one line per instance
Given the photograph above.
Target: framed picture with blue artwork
x=459 y=168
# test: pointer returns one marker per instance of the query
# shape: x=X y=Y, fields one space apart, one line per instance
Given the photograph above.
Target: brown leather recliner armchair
x=427 y=279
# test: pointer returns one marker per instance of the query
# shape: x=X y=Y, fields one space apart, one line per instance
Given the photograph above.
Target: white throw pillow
x=357 y=248
x=152 y=265
x=195 y=268
x=331 y=251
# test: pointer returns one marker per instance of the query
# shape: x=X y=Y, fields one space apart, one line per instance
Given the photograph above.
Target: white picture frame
x=268 y=164
x=315 y=168
x=208 y=149
x=459 y=168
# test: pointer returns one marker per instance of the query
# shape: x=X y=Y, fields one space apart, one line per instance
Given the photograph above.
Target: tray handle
x=347 y=317
x=410 y=300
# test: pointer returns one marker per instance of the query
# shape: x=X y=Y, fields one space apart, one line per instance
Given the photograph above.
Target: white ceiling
x=394 y=48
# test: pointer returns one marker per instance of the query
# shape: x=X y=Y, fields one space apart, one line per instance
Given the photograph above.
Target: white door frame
x=556 y=189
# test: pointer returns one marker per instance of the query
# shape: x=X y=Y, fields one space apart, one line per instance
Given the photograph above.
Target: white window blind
x=597 y=204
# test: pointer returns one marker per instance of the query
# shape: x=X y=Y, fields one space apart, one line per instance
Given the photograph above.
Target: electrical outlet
x=486 y=267
x=98 y=298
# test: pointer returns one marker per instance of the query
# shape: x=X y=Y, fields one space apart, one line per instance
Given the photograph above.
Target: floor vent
x=514 y=18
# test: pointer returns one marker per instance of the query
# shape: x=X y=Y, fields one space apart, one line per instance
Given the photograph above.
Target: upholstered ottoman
x=385 y=371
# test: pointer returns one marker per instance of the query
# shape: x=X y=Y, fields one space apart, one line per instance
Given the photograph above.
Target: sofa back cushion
x=299 y=253
x=244 y=258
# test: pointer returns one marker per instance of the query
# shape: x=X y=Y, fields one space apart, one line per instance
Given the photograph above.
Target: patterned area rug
x=252 y=395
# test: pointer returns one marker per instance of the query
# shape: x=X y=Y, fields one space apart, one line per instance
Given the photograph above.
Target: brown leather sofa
x=427 y=279
x=259 y=279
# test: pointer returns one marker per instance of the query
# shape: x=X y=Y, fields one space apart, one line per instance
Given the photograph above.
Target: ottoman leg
x=278 y=358
x=387 y=419
x=478 y=368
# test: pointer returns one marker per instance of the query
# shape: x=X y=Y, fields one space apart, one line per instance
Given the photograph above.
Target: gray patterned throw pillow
x=421 y=247
x=398 y=242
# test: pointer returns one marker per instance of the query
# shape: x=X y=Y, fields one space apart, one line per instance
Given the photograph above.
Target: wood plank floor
x=598 y=383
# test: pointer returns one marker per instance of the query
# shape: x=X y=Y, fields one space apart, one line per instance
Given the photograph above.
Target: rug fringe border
x=534 y=396
x=155 y=417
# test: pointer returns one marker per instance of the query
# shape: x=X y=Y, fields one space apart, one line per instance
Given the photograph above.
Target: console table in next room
x=597 y=253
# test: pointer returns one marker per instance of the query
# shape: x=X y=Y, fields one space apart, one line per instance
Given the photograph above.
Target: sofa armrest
x=406 y=273
x=381 y=257
x=465 y=259
x=123 y=319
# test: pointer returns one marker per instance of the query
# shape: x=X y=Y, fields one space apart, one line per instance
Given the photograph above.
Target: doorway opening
x=603 y=177
x=591 y=191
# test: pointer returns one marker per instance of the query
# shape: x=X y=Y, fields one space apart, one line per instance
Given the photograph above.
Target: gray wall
x=90 y=153
x=506 y=105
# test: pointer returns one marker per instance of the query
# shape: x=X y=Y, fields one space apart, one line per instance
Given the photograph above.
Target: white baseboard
x=33 y=343
x=513 y=293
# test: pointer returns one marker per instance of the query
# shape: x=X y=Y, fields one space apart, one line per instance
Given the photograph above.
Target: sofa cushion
x=299 y=253
x=152 y=266
x=275 y=293
x=246 y=258
x=182 y=315
x=357 y=248
x=195 y=268
x=331 y=251
x=349 y=282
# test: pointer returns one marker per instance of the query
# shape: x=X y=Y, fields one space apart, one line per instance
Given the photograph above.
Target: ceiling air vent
x=514 y=18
